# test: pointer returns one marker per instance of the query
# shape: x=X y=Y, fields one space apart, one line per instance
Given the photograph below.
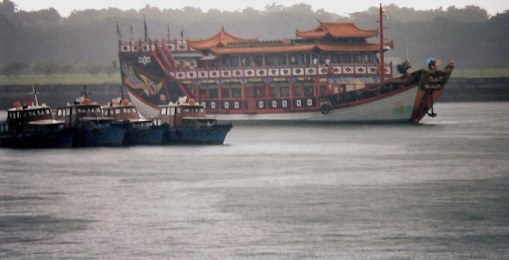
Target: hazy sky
x=342 y=7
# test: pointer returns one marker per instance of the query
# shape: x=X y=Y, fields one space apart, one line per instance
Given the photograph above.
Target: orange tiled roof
x=220 y=39
x=336 y=30
x=295 y=48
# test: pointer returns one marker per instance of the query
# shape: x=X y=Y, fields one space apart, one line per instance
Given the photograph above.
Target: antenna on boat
x=121 y=92
x=35 y=96
x=86 y=94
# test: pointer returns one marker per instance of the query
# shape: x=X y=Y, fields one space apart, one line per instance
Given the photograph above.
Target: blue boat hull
x=152 y=135
x=102 y=135
x=62 y=138
x=214 y=134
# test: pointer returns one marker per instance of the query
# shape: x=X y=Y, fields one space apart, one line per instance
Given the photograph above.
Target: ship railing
x=343 y=69
x=146 y=46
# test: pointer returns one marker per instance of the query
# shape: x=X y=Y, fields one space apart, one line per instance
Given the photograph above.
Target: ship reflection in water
x=429 y=191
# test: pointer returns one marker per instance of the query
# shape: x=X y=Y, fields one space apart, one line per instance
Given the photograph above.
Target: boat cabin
x=121 y=110
x=189 y=114
x=22 y=118
x=81 y=110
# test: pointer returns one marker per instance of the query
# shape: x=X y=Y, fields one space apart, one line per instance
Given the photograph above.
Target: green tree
x=46 y=69
x=15 y=69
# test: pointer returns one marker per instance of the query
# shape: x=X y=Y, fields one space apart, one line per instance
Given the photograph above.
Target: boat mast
x=35 y=96
x=382 y=62
x=122 y=92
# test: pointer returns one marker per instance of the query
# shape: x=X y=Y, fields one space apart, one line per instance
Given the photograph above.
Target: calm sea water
x=436 y=190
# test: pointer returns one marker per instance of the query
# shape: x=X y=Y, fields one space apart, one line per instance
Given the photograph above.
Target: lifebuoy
x=325 y=109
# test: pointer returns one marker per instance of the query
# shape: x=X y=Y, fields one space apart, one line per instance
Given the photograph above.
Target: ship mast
x=382 y=62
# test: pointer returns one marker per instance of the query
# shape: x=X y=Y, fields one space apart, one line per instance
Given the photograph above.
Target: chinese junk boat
x=33 y=126
x=187 y=123
x=140 y=131
x=90 y=126
x=330 y=73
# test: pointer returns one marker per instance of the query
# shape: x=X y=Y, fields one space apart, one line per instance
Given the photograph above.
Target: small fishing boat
x=90 y=126
x=33 y=126
x=140 y=131
x=187 y=123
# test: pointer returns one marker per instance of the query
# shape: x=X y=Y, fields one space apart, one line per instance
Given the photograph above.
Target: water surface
x=434 y=190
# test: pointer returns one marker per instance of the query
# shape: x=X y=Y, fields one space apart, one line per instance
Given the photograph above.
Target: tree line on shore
x=16 y=69
x=44 y=42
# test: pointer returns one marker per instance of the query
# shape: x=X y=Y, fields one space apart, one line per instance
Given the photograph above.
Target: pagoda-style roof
x=336 y=30
x=220 y=39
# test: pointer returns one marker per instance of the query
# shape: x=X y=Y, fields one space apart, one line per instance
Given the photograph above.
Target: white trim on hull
x=395 y=108
x=144 y=109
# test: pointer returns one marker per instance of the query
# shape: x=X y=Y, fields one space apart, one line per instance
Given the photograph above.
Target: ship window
x=234 y=61
x=225 y=92
x=59 y=112
x=258 y=60
x=323 y=89
x=358 y=58
x=213 y=93
x=255 y=89
x=281 y=60
x=279 y=89
x=293 y=59
x=208 y=91
x=231 y=89
x=304 y=88
x=346 y=58
x=309 y=91
x=335 y=58
x=371 y=58
x=269 y=60
x=236 y=92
